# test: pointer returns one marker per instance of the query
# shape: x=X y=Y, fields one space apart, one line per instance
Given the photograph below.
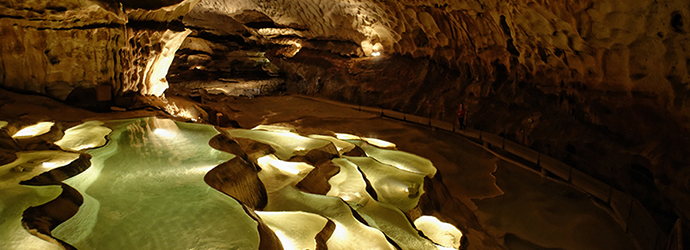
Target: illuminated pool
x=146 y=189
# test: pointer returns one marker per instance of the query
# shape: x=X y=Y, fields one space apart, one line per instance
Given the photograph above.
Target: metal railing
x=628 y=211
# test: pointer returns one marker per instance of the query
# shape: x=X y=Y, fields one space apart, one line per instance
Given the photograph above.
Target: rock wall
x=55 y=47
x=146 y=59
x=51 y=47
x=628 y=47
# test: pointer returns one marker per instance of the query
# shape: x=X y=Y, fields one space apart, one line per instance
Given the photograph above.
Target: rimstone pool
x=152 y=183
x=161 y=184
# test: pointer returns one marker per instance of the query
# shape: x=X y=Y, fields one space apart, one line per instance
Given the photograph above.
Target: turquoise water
x=145 y=190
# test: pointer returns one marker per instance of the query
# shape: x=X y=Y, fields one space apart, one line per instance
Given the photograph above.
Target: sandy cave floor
x=517 y=208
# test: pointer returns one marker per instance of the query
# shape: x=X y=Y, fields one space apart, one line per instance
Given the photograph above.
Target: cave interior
x=334 y=124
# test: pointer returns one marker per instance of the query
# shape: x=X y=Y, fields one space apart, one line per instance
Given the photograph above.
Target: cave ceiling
x=611 y=45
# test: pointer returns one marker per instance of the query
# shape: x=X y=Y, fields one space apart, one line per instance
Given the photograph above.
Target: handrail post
x=610 y=194
x=609 y=182
x=656 y=241
x=630 y=212
x=504 y=140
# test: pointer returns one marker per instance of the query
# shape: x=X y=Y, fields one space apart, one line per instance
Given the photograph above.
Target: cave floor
x=516 y=207
x=511 y=208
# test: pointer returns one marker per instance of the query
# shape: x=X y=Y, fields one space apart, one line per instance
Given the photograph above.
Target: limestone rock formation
x=608 y=45
x=167 y=12
x=55 y=47
x=52 y=47
x=146 y=59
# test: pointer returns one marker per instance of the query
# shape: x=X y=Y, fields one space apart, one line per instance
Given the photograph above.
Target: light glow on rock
x=399 y=188
x=343 y=136
x=165 y=128
x=177 y=111
x=348 y=184
x=14 y=201
x=399 y=159
x=282 y=173
x=371 y=49
x=296 y=230
x=349 y=233
x=163 y=132
x=31 y=163
x=295 y=49
x=275 y=128
x=157 y=67
x=49 y=165
x=342 y=146
x=33 y=130
x=441 y=233
x=294 y=168
x=87 y=135
x=286 y=144
x=373 y=141
x=379 y=143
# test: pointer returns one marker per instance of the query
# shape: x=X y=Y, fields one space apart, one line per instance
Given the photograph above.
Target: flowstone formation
x=159 y=184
